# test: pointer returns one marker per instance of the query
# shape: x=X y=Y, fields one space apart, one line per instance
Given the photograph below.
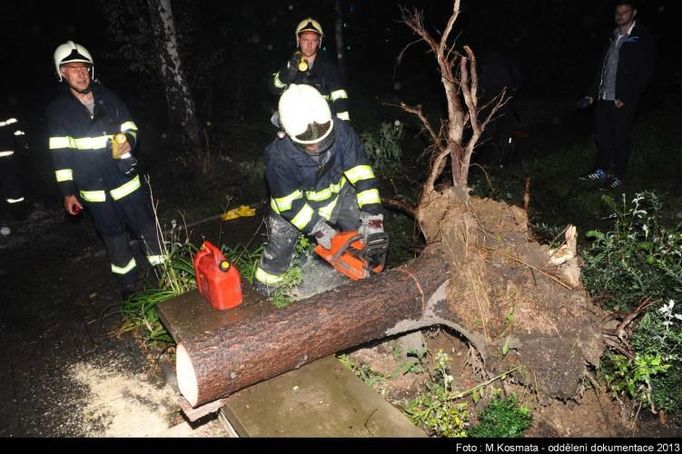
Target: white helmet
x=306 y=117
x=308 y=25
x=71 y=52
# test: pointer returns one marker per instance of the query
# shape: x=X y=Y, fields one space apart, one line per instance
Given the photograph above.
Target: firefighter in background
x=91 y=138
x=309 y=66
x=12 y=190
x=320 y=180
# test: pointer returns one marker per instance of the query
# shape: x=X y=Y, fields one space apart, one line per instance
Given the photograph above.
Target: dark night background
x=229 y=48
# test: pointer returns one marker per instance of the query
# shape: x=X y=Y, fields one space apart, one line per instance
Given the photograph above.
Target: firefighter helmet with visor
x=306 y=118
x=308 y=25
x=70 y=52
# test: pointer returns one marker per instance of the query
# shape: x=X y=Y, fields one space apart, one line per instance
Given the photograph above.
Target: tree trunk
x=181 y=109
x=263 y=342
x=340 y=51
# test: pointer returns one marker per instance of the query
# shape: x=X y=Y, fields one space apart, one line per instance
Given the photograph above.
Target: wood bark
x=181 y=107
x=263 y=342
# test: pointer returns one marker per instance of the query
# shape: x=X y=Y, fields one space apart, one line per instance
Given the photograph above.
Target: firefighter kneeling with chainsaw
x=321 y=183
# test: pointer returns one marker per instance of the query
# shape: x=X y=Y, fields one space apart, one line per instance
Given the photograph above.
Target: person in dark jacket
x=309 y=66
x=626 y=68
x=320 y=180
x=91 y=139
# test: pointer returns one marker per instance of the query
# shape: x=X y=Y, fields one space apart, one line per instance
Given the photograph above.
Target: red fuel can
x=217 y=279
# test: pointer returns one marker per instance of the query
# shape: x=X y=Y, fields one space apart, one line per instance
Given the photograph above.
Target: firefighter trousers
x=282 y=237
x=11 y=189
x=112 y=220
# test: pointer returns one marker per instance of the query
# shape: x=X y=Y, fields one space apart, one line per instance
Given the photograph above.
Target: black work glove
x=289 y=71
x=128 y=166
x=126 y=162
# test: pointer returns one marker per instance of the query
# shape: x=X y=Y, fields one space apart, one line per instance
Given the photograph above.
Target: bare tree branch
x=415 y=21
x=406 y=207
x=460 y=82
x=399 y=58
x=448 y=29
x=425 y=121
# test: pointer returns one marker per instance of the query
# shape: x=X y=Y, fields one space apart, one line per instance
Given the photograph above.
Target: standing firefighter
x=91 y=137
x=309 y=66
x=320 y=179
x=10 y=183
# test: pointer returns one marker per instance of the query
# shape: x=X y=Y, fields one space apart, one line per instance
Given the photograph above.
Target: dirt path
x=64 y=374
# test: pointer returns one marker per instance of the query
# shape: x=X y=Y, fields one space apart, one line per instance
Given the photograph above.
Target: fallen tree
x=266 y=342
x=518 y=303
x=551 y=336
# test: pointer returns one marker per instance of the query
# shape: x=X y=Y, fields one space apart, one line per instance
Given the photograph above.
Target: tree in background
x=338 y=28
x=181 y=109
x=132 y=32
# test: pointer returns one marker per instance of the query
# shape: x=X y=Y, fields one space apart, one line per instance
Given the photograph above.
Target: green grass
x=558 y=197
x=502 y=418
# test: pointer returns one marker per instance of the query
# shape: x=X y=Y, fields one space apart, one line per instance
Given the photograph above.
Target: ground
x=589 y=414
x=64 y=371
x=69 y=375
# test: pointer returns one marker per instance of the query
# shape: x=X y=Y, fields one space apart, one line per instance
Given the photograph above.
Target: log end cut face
x=187 y=379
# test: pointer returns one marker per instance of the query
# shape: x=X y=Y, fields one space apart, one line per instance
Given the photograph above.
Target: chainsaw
x=353 y=257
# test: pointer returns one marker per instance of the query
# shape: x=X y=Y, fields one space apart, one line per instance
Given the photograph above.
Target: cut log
x=264 y=341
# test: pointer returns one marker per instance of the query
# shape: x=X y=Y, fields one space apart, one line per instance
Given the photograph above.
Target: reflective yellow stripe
x=61 y=142
x=267 y=278
x=303 y=217
x=6 y=153
x=125 y=189
x=326 y=211
x=273 y=205
x=338 y=94
x=128 y=126
x=155 y=259
x=368 y=196
x=64 y=175
x=278 y=83
x=92 y=143
x=89 y=143
x=343 y=116
x=284 y=203
x=362 y=172
x=20 y=199
x=324 y=194
x=93 y=196
x=125 y=269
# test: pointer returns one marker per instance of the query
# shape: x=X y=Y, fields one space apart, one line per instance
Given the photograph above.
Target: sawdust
x=122 y=404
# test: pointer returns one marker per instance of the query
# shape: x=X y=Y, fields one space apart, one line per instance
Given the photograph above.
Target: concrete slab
x=321 y=399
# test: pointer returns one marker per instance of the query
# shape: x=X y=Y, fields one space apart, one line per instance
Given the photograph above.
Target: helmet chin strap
x=87 y=90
